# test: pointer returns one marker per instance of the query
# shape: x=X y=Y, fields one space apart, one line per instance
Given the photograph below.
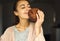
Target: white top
x=9 y=35
x=21 y=36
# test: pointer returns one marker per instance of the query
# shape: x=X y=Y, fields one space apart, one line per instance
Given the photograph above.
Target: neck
x=23 y=24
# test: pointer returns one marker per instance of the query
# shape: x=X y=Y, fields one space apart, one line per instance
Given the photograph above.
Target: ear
x=15 y=13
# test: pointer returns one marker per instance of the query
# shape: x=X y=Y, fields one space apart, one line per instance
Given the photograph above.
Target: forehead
x=22 y=3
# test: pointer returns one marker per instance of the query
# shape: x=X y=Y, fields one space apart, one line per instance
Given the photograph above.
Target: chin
x=26 y=17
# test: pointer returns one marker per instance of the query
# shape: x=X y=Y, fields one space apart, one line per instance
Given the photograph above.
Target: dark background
x=51 y=9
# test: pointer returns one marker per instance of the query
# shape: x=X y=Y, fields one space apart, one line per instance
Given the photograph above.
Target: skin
x=22 y=12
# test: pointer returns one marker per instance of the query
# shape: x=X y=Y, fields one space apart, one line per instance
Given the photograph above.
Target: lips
x=26 y=12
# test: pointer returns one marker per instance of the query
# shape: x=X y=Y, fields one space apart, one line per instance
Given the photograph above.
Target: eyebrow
x=24 y=5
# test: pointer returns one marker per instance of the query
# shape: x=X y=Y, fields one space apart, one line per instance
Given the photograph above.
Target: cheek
x=21 y=13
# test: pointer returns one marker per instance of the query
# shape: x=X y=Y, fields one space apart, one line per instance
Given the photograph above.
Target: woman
x=24 y=30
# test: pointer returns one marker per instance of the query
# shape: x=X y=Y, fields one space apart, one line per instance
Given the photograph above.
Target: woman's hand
x=38 y=24
x=40 y=18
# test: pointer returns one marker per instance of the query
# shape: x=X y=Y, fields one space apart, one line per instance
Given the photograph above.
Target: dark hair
x=15 y=4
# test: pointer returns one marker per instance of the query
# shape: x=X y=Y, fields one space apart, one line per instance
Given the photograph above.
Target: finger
x=37 y=16
x=41 y=14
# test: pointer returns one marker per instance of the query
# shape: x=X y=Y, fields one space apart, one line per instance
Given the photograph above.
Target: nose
x=28 y=9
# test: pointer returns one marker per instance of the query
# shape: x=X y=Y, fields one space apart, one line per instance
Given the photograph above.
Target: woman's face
x=22 y=9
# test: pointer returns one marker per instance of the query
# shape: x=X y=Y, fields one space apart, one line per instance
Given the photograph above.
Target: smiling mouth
x=26 y=13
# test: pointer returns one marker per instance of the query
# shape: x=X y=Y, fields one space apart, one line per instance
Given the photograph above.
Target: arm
x=7 y=35
x=38 y=27
x=38 y=24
